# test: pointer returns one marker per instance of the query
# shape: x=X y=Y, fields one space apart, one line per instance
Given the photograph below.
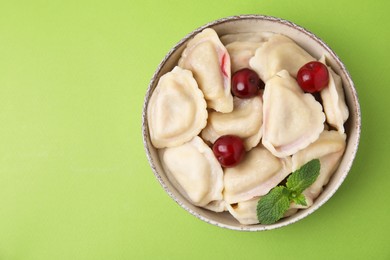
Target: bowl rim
x=355 y=101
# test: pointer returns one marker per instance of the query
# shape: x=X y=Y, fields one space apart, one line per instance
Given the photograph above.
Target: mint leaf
x=305 y=176
x=272 y=206
x=300 y=200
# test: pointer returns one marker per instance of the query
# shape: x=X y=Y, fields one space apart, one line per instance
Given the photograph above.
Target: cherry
x=313 y=76
x=229 y=150
x=246 y=83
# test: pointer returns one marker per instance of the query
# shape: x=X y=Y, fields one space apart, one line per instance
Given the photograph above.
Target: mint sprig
x=305 y=176
x=272 y=206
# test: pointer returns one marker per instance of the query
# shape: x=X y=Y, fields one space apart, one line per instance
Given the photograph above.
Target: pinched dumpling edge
x=333 y=100
x=240 y=56
x=329 y=148
x=212 y=199
x=218 y=95
x=267 y=66
x=192 y=93
x=257 y=37
x=245 y=212
x=267 y=177
x=254 y=110
x=242 y=47
x=312 y=131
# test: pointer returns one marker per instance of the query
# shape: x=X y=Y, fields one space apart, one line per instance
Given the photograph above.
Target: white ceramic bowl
x=316 y=47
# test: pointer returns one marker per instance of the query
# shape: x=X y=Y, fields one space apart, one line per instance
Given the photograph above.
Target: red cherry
x=313 y=76
x=229 y=150
x=246 y=83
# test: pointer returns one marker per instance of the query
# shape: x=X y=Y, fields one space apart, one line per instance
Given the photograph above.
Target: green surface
x=74 y=179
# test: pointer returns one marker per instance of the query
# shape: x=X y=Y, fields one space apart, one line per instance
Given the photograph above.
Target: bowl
x=312 y=44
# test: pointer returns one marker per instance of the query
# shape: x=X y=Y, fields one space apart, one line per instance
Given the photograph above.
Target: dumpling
x=244 y=121
x=255 y=176
x=177 y=109
x=240 y=54
x=217 y=206
x=242 y=47
x=194 y=171
x=246 y=37
x=291 y=119
x=333 y=100
x=279 y=53
x=329 y=149
x=245 y=212
x=209 y=61
x=253 y=140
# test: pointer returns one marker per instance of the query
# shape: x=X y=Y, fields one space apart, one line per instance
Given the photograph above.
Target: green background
x=74 y=179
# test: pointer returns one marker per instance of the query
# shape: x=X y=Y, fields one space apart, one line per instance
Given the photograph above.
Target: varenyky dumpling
x=333 y=100
x=177 y=109
x=245 y=212
x=255 y=176
x=329 y=149
x=279 y=53
x=292 y=119
x=240 y=54
x=242 y=47
x=194 y=171
x=244 y=121
x=209 y=61
x=246 y=37
x=217 y=206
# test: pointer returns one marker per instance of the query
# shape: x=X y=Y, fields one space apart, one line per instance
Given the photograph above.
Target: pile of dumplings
x=282 y=127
